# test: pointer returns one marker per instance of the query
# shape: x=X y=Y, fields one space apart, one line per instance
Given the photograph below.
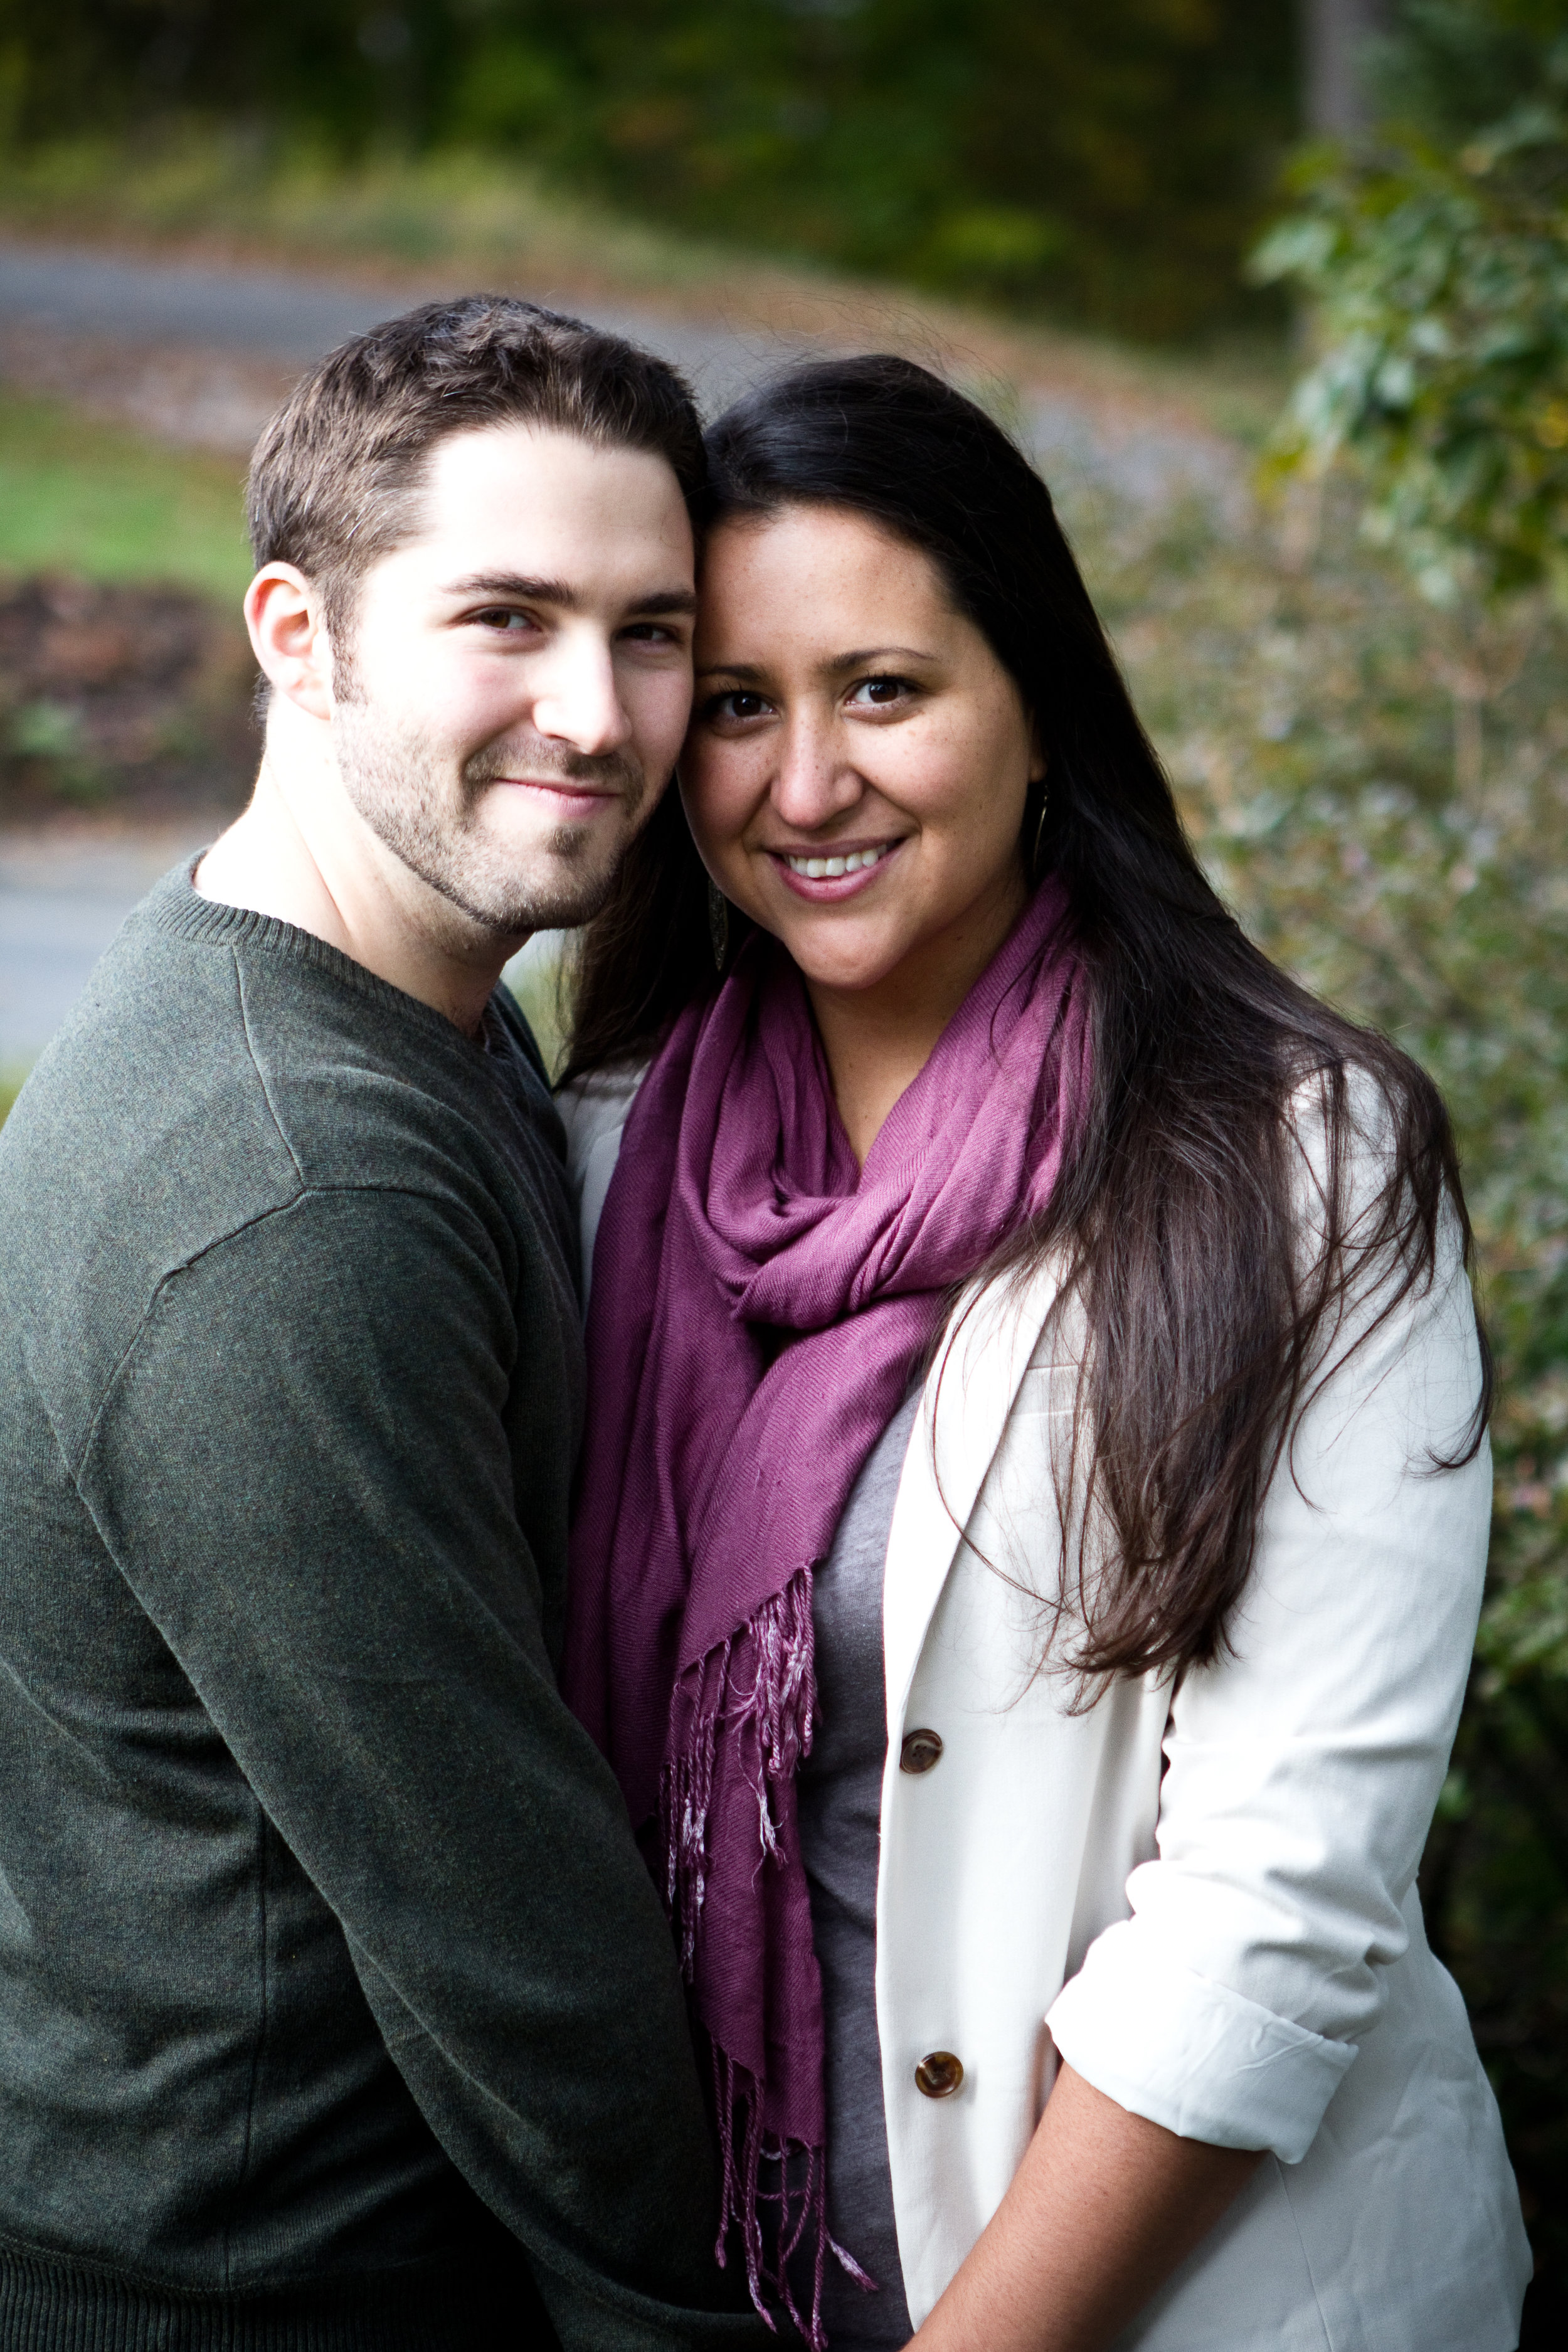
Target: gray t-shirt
x=840 y=1791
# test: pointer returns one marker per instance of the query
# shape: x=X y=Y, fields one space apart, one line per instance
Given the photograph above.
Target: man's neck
x=302 y=853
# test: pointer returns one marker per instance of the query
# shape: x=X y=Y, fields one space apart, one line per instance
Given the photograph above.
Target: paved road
x=196 y=351
x=61 y=902
x=285 y=318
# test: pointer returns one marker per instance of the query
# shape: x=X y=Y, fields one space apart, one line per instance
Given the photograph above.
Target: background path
x=132 y=325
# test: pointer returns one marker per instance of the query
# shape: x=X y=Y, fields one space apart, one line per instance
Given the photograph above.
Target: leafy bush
x=1300 y=703
x=1431 y=894
x=1439 y=287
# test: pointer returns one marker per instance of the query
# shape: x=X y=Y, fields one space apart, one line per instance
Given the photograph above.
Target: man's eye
x=502 y=617
x=651 y=633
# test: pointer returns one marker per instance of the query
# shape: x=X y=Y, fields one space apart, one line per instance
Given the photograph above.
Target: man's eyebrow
x=518 y=589
x=515 y=586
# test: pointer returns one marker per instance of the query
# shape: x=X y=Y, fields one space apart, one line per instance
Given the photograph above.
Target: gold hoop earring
x=717 y=923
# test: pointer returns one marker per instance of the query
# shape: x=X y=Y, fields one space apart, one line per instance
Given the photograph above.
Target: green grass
x=10 y=1087
x=81 y=497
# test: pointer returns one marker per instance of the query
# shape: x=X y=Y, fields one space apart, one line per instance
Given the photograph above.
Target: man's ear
x=283 y=613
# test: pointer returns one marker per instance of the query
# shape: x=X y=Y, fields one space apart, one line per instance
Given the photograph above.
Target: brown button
x=939 y=2074
x=919 y=1751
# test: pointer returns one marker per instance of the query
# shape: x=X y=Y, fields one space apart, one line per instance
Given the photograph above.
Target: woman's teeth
x=818 y=869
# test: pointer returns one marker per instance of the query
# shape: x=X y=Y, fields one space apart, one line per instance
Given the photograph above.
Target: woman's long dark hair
x=1206 y=1322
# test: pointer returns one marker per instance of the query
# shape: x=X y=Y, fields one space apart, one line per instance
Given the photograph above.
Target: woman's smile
x=828 y=876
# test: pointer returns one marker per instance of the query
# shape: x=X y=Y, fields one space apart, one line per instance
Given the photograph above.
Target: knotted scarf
x=759 y=1306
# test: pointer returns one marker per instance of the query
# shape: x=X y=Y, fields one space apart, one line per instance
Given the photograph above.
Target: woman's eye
x=737 y=707
x=877 y=693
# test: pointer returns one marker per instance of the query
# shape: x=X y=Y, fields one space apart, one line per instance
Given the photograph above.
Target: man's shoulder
x=197 y=1092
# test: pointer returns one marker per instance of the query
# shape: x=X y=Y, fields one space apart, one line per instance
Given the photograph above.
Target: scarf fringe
x=769 y=1721
x=802 y=2211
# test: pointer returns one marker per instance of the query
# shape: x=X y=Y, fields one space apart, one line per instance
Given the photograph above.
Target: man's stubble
x=430 y=819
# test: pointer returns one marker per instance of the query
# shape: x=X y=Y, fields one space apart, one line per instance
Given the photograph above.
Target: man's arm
x=302 y=1470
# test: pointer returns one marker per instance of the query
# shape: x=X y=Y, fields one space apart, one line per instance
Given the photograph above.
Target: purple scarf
x=718 y=1462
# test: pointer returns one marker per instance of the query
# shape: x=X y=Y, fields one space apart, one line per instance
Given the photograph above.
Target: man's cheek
x=661 y=723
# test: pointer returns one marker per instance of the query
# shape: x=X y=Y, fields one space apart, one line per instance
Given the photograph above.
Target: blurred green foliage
x=1297 y=690
x=1421 y=879
x=1107 y=164
x=1437 y=273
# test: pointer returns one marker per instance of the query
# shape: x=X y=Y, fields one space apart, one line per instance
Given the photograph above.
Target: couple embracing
x=897 y=1751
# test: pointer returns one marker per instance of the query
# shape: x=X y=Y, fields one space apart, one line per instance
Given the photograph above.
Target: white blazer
x=1205 y=1900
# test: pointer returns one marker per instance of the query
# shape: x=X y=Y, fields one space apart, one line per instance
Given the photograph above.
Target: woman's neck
x=877 y=1040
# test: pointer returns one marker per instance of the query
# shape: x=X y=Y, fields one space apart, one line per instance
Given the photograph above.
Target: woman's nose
x=814 y=781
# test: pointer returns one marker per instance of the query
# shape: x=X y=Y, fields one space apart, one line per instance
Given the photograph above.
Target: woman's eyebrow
x=877 y=653
x=857 y=660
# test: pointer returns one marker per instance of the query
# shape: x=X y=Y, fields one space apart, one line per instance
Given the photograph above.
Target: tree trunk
x=1334 y=33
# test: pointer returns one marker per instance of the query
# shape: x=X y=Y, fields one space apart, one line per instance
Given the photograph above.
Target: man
x=336 y=2007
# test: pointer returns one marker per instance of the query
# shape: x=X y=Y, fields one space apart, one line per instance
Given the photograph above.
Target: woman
x=1034 y=1500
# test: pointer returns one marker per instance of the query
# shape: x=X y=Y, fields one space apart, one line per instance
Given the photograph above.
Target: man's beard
x=432 y=821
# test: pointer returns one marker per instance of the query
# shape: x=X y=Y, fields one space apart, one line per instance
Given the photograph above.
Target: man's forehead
x=533 y=504
x=545 y=471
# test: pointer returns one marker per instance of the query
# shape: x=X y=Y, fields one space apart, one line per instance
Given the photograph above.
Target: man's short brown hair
x=336 y=478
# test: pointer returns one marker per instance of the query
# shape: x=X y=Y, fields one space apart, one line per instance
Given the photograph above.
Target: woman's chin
x=844 y=967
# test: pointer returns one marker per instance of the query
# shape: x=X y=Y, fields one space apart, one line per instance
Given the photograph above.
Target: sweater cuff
x=1191 y=2055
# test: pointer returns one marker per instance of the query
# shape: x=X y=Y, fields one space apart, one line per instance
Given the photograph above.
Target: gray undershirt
x=839 y=1793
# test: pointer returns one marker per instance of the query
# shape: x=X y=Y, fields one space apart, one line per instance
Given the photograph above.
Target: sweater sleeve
x=1303 y=1768
x=303 y=1473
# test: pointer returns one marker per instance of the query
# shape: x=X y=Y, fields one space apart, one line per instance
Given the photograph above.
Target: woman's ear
x=1040 y=758
x=283 y=613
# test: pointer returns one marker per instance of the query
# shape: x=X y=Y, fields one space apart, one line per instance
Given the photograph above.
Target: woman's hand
x=1101 y=2211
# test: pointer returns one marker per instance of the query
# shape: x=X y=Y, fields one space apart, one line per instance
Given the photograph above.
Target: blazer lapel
x=968 y=1398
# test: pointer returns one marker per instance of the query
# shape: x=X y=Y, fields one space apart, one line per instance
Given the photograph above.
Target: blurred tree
x=1337 y=36
x=1110 y=164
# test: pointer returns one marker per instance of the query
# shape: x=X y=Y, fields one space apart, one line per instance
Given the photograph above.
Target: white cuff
x=1189 y=2054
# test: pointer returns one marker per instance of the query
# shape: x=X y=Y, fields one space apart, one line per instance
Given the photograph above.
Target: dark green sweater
x=330 y=1975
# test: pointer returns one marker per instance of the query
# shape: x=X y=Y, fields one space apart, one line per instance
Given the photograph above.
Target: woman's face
x=859 y=758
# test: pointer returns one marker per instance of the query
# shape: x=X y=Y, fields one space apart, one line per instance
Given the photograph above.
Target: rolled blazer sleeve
x=1304 y=1768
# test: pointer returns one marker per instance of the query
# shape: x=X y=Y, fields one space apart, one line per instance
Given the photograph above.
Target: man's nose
x=814 y=781
x=579 y=701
